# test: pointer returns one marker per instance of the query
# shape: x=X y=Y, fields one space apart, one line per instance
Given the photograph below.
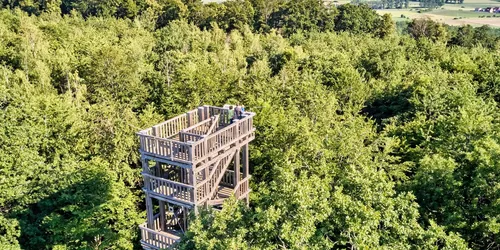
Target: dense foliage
x=366 y=138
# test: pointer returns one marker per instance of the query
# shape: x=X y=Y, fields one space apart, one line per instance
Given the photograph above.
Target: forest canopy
x=370 y=135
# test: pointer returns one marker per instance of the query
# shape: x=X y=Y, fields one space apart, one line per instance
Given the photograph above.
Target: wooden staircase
x=208 y=187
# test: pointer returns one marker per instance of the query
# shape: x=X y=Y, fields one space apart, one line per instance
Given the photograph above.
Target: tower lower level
x=197 y=159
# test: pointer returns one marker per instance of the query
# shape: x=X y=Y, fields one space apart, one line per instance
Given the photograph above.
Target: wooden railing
x=175 y=150
x=240 y=191
x=223 y=137
x=243 y=187
x=154 y=140
x=228 y=179
x=186 y=137
x=200 y=128
x=223 y=115
x=214 y=126
x=173 y=126
x=170 y=172
x=157 y=225
x=157 y=222
x=157 y=239
x=168 y=188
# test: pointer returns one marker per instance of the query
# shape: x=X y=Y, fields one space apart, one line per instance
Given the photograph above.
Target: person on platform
x=230 y=114
x=237 y=112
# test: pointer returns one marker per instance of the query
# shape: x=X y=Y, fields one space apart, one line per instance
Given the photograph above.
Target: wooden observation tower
x=196 y=159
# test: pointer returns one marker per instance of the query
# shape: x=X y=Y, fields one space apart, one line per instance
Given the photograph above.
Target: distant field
x=452 y=14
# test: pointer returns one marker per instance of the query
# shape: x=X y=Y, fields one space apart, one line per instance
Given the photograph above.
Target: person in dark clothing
x=237 y=112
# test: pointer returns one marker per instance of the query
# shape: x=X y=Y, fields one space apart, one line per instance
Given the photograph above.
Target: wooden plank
x=164 y=160
x=152 y=177
x=169 y=199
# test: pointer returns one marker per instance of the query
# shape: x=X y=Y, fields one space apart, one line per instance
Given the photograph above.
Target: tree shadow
x=74 y=217
x=388 y=105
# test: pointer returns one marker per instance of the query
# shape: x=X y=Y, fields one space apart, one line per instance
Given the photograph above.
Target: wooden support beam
x=163 y=160
x=156 y=131
x=246 y=166
x=145 y=165
x=201 y=114
x=158 y=169
x=185 y=218
x=178 y=202
x=246 y=170
x=189 y=116
x=192 y=182
x=162 y=215
x=149 y=211
x=190 y=153
x=182 y=175
x=237 y=167
x=207 y=111
x=206 y=171
x=145 y=169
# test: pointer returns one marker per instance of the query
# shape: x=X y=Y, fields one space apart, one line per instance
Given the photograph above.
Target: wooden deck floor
x=224 y=192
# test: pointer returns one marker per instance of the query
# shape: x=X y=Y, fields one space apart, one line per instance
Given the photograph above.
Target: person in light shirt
x=230 y=114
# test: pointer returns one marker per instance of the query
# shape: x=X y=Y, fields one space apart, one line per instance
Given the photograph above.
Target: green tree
x=171 y=10
x=357 y=19
x=387 y=26
x=464 y=37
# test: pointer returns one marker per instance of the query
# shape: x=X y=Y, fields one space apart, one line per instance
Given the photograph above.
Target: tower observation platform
x=196 y=159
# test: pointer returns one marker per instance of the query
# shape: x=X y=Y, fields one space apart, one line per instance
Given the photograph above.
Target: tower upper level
x=195 y=136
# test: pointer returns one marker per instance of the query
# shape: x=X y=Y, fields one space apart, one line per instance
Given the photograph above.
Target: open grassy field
x=452 y=14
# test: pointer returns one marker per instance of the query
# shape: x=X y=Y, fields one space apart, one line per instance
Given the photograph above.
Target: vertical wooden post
x=149 y=212
x=207 y=183
x=185 y=217
x=182 y=175
x=189 y=116
x=190 y=152
x=207 y=111
x=205 y=148
x=237 y=170
x=155 y=132
x=246 y=170
x=201 y=114
x=247 y=200
x=194 y=191
x=158 y=170
x=236 y=129
x=145 y=169
x=162 y=215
